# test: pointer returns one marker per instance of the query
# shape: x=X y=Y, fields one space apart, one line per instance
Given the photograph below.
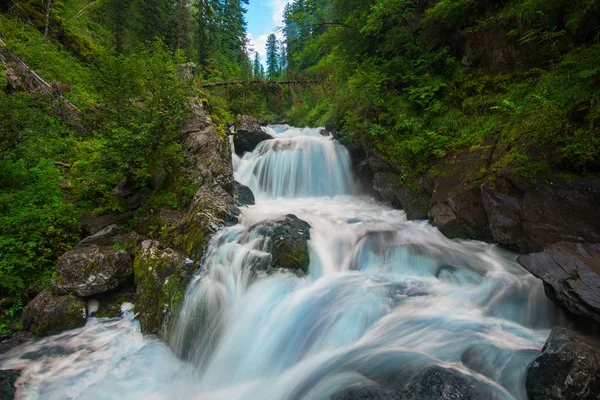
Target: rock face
x=209 y=153
x=414 y=202
x=91 y=270
x=161 y=277
x=48 y=314
x=566 y=369
x=8 y=378
x=248 y=134
x=569 y=277
x=288 y=243
x=245 y=197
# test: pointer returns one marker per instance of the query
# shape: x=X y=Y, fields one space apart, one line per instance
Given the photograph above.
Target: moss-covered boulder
x=161 y=277
x=287 y=241
x=91 y=270
x=8 y=378
x=211 y=208
x=48 y=314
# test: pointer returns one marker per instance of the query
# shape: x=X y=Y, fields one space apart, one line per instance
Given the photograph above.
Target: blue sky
x=263 y=17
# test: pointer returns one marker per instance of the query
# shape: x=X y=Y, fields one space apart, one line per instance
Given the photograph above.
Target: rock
x=367 y=393
x=437 y=383
x=568 y=279
x=110 y=302
x=154 y=223
x=90 y=270
x=161 y=277
x=92 y=223
x=209 y=153
x=566 y=369
x=248 y=134
x=104 y=237
x=288 y=243
x=14 y=340
x=414 y=202
x=245 y=197
x=8 y=377
x=210 y=209
x=462 y=215
x=130 y=242
x=504 y=218
x=48 y=314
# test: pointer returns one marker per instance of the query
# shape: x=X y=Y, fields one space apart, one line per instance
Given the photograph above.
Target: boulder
x=8 y=377
x=367 y=393
x=104 y=237
x=211 y=208
x=287 y=241
x=566 y=369
x=91 y=270
x=14 y=340
x=248 y=134
x=161 y=277
x=109 y=304
x=48 y=314
x=570 y=277
x=437 y=383
x=245 y=197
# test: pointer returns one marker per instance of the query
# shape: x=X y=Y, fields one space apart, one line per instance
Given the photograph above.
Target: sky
x=263 y=17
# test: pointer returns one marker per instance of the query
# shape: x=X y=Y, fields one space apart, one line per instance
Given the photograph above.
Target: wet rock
x=161 y=277
x=14 y=340
x=437 y=383
x=245 y=196
x=504 y=217
x=48 y=314
x=109 y=303
x=367 y=393
x=209 y=154
x=569 y=278
x=566 y=369
x=90 y=270
x=248 y=134
x=103 y=237
x=8 y=377
x=414 y=202
x=462 y=215
x=288 y=243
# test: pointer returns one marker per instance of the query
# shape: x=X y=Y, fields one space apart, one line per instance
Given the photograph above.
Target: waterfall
x=384 y=299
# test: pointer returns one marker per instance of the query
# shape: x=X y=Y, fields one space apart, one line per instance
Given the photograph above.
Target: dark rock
x=248 y=134
x=437 y=383
x=245 y=196
x=568 y=279
x=14 y=340
x=48 y=314
x=161 y=277
x=92 y=223
x=462 y=215
x=367 y=393
x=209 y=153
x=8 y=377
x=567 y=368
x=414 y=202
x=288 y=243
x=504 y=217
x=90 y=270
x=109 y=303
x=103 y=237
x=324 y=132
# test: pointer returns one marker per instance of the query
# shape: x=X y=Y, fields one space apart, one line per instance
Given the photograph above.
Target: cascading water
x=384 y=299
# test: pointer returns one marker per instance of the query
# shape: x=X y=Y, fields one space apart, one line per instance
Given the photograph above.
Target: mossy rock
x=48 y=314
x=7 y=383
x=161 y=277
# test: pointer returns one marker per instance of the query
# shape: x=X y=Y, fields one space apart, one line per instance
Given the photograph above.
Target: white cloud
x=259 y=45
x=278 y=6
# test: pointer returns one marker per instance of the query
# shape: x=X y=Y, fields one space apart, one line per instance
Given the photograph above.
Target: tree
x=257 y=68
x=272 y=56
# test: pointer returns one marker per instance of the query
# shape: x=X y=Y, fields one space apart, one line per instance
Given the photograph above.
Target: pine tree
x=272 y=56
x=257 y=68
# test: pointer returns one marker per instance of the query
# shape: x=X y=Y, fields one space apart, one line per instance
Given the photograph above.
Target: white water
x=385 y=297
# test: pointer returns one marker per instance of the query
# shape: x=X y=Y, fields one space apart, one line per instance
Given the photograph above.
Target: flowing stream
x=384 y=299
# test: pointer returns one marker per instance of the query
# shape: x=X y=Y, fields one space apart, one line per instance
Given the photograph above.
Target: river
x=384 y=297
